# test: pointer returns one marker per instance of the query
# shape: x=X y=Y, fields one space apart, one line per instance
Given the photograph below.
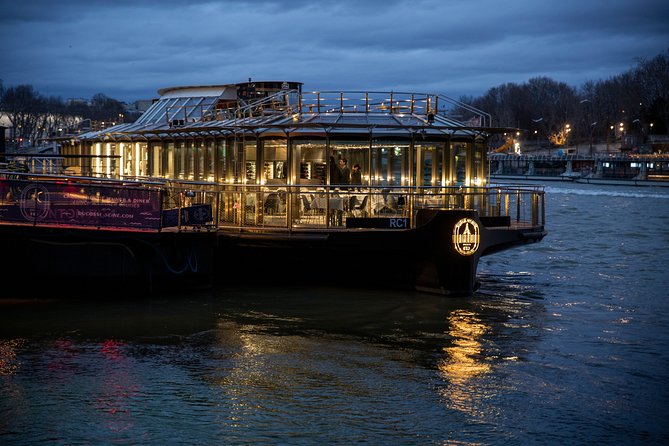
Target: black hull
x=423 y=259
x=72 y=262
x=76 y=262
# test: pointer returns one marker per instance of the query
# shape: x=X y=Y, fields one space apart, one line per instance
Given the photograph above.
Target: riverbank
x=605 y=169
x=582 y=180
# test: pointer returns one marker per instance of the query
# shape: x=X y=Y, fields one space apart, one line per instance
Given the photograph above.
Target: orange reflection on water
x=8 y=362
x=464 y=361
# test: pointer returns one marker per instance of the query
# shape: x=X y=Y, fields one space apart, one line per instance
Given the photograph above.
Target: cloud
x=130 y=49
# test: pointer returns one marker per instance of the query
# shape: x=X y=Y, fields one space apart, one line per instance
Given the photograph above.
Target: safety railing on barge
x=154 y=204
x=304 y=208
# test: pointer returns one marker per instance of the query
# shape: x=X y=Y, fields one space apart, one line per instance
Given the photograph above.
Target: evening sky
x=128 y=49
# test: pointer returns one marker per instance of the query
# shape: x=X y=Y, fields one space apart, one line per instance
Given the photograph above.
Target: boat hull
x=425 y=258
x=83 y=262
x=440 y=255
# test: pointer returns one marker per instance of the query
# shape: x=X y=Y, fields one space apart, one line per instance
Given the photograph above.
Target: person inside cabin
x=344 y=172
x=335 y=174
x=356 y=176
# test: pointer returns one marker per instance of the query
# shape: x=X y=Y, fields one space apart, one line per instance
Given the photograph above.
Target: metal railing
x=299 y=207
x=302 y=208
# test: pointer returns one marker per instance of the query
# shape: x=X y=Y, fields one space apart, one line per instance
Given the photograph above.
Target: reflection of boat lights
x=9 y=365
x=463 y=362
x=463 y=356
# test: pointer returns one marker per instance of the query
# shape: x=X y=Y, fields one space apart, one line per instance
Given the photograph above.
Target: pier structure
x=653 y=167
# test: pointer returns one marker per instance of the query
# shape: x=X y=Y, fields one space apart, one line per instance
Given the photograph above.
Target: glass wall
x=430 y=164
x=208 y=161
x=275 y=161
x=169 y=162
x=250 y=162
x=309 y=162
x=156 y=159
x=389 y=164
x=355 y=152
x=461 y=168
x=221 y=155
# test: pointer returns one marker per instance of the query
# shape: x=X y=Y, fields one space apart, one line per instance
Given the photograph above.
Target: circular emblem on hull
x=34 y=202
x=466 y=236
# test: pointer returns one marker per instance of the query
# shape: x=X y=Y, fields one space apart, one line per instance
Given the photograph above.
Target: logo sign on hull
x=466 y=236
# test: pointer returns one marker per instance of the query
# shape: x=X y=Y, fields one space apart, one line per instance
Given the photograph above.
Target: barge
x=250 y=181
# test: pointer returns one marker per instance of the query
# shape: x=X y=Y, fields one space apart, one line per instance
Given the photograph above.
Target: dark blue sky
x=128 y=49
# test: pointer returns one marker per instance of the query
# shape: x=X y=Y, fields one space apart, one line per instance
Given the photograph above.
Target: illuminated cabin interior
x=273 y=133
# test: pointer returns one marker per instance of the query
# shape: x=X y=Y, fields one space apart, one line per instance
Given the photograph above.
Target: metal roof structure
x=219 y=111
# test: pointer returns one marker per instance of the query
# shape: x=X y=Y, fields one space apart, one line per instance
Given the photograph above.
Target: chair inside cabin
x=309 y=211
x=360 y=209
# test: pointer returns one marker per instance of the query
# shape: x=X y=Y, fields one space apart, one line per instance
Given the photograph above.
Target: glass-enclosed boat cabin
x=270 y=154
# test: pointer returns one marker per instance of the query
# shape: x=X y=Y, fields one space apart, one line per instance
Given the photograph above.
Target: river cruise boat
x=251 y=182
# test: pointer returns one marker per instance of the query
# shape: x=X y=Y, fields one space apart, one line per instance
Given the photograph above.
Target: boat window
x=250 y=162
x=310 y=163
x=156 y=162
x=461 y=170
x=142 y=152
x=209 y=161
x=222 y=155
x=389 y=164
x=195 y=159
x=275 y=161
x=169 y=160
x=431 y=169
x=355 y=152
x=180 y=158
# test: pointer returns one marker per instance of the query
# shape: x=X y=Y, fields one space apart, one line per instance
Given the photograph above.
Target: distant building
x=139 y=106
x=77 y=101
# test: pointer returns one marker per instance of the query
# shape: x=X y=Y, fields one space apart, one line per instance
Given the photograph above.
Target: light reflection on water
x=565 y=342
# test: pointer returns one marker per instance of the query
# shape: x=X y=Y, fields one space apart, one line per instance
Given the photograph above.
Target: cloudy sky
x=128 y=49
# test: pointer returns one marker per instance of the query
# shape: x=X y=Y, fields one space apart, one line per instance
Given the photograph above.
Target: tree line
x=33 y=117
x=632 y=104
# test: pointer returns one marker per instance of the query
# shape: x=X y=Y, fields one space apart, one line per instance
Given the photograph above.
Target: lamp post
x=536 y=121
x=587 y=118
x=592 y=131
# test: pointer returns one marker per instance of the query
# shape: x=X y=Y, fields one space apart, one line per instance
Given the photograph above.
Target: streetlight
x=536 y=132
x=592 y=131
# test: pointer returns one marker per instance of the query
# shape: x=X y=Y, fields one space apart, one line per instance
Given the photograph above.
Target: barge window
x=355 y=152
x=156 y=165
x=250 y=164
x=208 y=162
x=310 y=165
x=222 y=156
x=429 y=164
x=461 y=170
x=389 y=163
x=142 y=151
x=169 y=162
x=275 y=161
x=180 y=158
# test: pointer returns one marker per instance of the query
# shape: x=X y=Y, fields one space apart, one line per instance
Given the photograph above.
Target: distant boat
x=237 y=183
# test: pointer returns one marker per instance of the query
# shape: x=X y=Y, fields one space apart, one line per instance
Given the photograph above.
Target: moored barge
x=244 y=180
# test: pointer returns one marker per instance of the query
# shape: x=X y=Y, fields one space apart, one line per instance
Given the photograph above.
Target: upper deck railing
x=391 y=103
x=293 y=102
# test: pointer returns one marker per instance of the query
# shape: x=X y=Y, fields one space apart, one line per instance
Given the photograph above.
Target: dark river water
x=566 y=342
